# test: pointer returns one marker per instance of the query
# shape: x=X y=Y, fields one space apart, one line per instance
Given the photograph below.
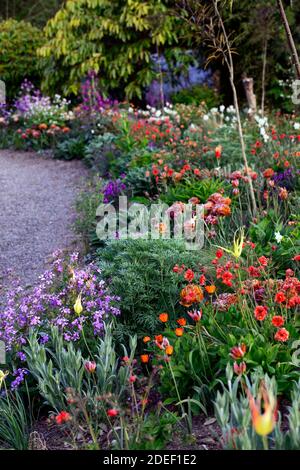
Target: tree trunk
x=249 y=90
x=263 y=78
x=290 y=39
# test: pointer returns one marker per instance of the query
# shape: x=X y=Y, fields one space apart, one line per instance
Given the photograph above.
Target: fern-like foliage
x=141 y=273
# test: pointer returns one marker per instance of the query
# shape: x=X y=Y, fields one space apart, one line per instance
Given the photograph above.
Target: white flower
x=278 y=237
x=205 y=117
x=222 y=108
x=297 y=125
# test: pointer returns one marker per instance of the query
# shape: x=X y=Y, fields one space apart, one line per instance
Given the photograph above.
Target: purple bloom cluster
x=92 y=99
x=29 y=96
x=19 y=375
x=286 y=178
x=113 y=189
x=52 y=303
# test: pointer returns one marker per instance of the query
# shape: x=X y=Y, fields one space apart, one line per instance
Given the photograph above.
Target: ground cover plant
x=126 y=344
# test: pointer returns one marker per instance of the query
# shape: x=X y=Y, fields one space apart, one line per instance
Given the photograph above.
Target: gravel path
x=37 y=196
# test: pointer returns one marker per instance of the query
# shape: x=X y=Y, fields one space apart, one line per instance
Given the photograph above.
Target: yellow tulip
x=238 y=243
x=78 y=305
x=3 y=376
x=263 y=423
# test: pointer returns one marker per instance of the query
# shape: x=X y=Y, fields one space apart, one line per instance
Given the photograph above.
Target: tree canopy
x=114 y=38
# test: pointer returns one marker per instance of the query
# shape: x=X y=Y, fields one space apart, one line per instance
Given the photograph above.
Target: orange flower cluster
x=191 y=294
x=216 y=206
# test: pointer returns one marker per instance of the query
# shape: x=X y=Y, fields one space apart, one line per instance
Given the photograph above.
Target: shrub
x=19 y=42
x=141 y=273
x=196 y=95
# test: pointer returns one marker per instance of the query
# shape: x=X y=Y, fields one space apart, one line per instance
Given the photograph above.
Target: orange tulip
x=181 y=321
x=169 y=350
x=146 y=339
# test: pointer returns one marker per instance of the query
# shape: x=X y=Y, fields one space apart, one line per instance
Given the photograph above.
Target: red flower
x=268 y=173
x=219 y=253
x=280 y=297
x=189 y=275
x=218 y=151
x=296 y=258
x=263 y=261
x=253 y=271
x=226 y=278
x=260 y=312
x=282 y=335
x=62 y=417
x=112 y=413
x=277 y=321
x=132 y=379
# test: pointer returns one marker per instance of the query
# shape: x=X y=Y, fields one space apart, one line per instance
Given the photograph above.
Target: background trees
x=115 y=39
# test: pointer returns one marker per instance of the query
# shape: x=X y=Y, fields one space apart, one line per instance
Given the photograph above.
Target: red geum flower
x=63 y=417
x=227 y=276
x=282 y=335
x=238 y=351
x=263 y=261
x=280 y=297
x=189 y=275
x=260 y=312
x=253 y=271
x=268 y=173
x=219 y=253
x=202 y=280
x=181 y=321
x=296 y=258
x=277 y=321
x=112 y=412
x=132 y=379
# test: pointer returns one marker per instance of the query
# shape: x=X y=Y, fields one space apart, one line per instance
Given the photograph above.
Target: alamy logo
x=2 y=353
x=2 y=92
x=296 y=92
x=133 y=221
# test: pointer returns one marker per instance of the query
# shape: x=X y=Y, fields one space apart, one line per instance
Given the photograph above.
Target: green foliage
x=100 y=152
x=86 y=206
x=60 y=367
x=156 y=431
x=70 y=148
x=189 y=188
x=38 y=12
x=19 y=42
x=141 y=273
x=233 y=413
x=115 y=38
x=14 y=421
x=197 y=95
